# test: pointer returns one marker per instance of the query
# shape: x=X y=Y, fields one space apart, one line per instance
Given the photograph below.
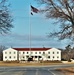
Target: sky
x=22 y=20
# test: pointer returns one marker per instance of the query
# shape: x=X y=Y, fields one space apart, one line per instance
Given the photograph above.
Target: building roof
x=32 y=49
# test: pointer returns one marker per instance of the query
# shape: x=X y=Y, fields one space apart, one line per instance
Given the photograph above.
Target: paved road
x=26 y=71
x=50 y=70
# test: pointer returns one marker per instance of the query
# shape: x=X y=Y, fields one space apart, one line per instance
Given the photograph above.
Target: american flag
x=33 y=9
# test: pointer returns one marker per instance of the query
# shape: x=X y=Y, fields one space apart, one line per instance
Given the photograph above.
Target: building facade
x=9 y=54
x=22 y=54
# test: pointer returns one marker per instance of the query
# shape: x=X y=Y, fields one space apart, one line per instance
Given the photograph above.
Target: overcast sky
x=40 y=27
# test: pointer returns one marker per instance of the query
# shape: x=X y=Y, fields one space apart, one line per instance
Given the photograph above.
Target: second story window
x=48 y=52
x=35 y=52
x=9 y=52
x=31 y=52
x=39 y=52
x=27 y=52
x=23 y=52
x=53 y=52
x=57 y=52
x=43 y=52
x=14 y=52
x=5 y=52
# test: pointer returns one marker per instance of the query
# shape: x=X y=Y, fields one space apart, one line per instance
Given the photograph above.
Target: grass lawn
x=67 y=71
x=28 y=63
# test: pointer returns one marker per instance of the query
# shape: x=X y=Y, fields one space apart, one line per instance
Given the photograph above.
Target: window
x=9 y=56
x=27 y=56
x=39 y=52
x=5 y=52
x=32 y=56
x=43 y=52
x=5 y=56
x=23 y=57
x=35 y=56
x=48 y=52
x=14 y=57
x=14 y=52
x=53 y=52
x=27 y=52
x=53 y=56
x=9 y=52
x=31 y=52
x=23 y=52
x=39 y=56
x=57 y=56
x=57 y=52
x=48 y=56
x=35 y=52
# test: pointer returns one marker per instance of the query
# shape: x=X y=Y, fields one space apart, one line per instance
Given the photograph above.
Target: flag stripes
x=33 y=9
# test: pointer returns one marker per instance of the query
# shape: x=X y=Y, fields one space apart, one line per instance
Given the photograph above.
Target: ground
x=27 y=63
x=66 y=71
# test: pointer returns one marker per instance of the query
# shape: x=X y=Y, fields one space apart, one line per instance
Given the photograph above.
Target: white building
x=9 y=54
x=36 y=53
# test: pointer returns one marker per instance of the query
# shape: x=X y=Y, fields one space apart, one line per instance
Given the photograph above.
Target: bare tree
x=62 y=11
x=68 y=53
x=68 y=48
x=1 y=54
x=5 y=17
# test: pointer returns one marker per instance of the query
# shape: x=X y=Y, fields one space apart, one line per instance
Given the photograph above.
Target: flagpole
x=35 y=10
x=30 y=29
